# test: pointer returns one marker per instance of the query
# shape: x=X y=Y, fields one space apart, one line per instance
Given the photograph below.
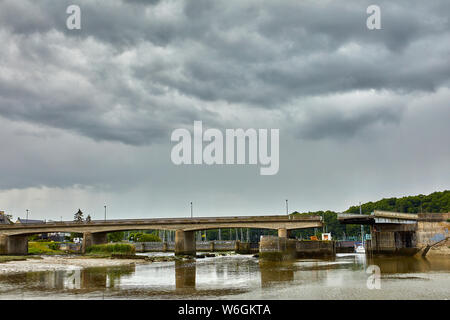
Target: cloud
x=88 y=113
x=137 y=70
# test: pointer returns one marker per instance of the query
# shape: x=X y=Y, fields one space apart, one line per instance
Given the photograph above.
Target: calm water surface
x=239 y=277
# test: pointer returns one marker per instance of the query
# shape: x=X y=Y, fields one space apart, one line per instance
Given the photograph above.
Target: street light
x=362 y=226
x=105 y=212
x=287 y=211
x=27 y=216
x=191 y=211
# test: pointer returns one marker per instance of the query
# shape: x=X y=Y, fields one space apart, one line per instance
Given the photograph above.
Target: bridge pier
x=90 y=239
x=14 y=245
x=185 y=243
x=283 y=233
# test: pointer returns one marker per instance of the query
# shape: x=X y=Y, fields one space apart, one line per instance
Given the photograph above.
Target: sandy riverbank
x=55 y=263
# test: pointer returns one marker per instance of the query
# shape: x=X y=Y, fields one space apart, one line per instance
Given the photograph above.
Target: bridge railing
x=197 y=220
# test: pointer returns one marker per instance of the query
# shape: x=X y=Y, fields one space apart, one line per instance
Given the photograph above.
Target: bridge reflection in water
x=209 y=277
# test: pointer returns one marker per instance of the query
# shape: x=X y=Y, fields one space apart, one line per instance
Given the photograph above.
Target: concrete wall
x=277 y=248
x=431 y=229
x=13 y=245
x=306 y=248
x=170 y=246
x=282 y=248
x=185 y=243
x=72 y=247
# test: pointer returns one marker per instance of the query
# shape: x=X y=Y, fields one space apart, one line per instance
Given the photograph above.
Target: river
x=240 y=277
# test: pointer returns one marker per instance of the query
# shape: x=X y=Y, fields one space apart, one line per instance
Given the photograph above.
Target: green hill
x=434 y=202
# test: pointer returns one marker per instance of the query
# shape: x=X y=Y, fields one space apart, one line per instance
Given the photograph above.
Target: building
x=29 y=221
x=4 y=219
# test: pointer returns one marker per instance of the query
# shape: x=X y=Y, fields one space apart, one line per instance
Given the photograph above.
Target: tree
x=116 y=236
x=78 y=216
x=88 y=218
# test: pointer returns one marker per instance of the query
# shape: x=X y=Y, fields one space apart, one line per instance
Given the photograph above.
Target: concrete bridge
x=14 y=237
x=401 y=233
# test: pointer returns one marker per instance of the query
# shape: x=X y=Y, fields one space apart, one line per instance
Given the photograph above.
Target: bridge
x=378 y=217
x=14 y=237
x=401 y=233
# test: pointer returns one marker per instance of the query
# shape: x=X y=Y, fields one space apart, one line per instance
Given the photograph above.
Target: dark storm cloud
x=337 y=124
x=138 y=69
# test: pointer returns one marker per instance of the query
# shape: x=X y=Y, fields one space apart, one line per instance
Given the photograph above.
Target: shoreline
x=61 y=263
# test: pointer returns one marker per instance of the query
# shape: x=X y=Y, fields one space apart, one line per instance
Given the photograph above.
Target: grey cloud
x=252 y=55
x=337 y=124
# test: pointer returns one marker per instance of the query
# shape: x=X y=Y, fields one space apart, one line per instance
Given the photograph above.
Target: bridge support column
x=283 y=233
x=185 y=243
x=14 y=245
x=90 y=239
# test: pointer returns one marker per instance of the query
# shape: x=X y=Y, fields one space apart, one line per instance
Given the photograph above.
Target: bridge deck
x=378 y=217
x=197 y=223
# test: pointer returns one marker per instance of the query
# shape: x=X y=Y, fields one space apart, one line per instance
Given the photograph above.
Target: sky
x=86 y=115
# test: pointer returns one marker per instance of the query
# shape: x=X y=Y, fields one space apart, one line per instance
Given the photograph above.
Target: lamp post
x=287 y=210
x=105 y=212
x=362 y=227
x=27 y=216
x=191 y=211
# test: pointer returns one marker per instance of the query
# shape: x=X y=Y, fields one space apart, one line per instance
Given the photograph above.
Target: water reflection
x=185 y=274
x=275 y=271
x=73 y=279
x=236 y=276
x=390 y=265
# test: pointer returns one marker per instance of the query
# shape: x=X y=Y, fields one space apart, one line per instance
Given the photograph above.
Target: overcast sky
x=86 y=115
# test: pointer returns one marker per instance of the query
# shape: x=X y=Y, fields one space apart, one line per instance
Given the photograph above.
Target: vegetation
x=436 y=202
x=144 y=237
x=116 y=236
x=35 y=247
x=116 y=248
x=78 y=217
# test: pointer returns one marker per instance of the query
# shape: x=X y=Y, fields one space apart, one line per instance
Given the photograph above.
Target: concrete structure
x=95 y=231
x=310 y=249
x=282 y=248
x=400 y=233
x=432 y=233
x=277 y=248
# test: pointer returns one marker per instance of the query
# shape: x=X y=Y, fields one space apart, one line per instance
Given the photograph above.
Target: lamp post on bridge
x=27 y=216
x=192 y=215
x=105 y=212
x=287 y=210
x=362 y=226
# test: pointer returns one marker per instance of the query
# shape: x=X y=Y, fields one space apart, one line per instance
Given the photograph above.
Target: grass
x=43 y=248
x=111 y=248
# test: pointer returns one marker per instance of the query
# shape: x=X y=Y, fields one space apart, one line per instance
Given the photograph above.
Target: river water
x=241 y=277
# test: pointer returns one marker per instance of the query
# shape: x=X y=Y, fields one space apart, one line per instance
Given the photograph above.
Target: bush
x=53 y=246
x=43 y=248
x=144 y=237
x=122 y=248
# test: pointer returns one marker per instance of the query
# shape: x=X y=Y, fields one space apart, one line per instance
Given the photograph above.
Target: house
x=4 y=218
x=29 y=221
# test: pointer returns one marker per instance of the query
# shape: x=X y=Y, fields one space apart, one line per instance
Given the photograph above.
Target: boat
x=360 y=249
